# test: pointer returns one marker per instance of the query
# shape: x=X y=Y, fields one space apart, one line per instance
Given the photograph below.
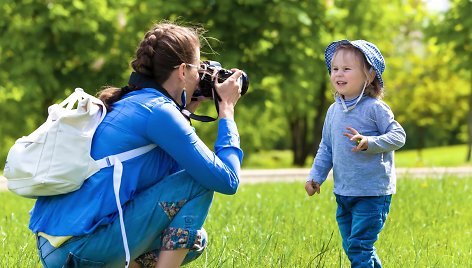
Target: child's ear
x=371 y=76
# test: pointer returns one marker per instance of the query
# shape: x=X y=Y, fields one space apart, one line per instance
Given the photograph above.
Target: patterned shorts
x=175 y=238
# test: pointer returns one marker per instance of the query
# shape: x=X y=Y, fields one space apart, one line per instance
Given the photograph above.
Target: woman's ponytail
x=110 y=95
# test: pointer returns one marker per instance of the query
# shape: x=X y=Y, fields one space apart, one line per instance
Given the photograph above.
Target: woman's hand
x=194 y=103
x=312 y=187
x=362 y=142
x=229 y=92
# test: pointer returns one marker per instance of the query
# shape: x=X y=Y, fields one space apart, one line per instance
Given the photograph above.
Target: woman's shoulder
x=149 y=98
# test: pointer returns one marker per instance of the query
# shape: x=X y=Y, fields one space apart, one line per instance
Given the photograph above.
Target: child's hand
x=362 y=143
x=312 y=187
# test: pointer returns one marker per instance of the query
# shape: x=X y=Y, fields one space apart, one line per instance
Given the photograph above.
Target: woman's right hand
x=229 y=92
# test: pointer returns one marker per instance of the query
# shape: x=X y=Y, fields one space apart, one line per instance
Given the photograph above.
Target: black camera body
x=207 y=81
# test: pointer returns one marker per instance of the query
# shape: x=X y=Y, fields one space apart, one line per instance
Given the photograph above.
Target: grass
x=277 y=225
x=17 y=243
x=449 y=156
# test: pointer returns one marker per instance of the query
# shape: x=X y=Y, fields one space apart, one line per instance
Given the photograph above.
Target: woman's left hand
x=362 y=142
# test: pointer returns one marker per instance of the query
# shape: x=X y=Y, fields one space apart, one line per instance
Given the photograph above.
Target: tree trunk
x=301 y=146
x=298 y=128
x=318 y=120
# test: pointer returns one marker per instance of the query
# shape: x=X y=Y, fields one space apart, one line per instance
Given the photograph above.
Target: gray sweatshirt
x=366 y=173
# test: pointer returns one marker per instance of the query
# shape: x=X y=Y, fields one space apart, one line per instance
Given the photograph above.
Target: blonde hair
x=373 y=89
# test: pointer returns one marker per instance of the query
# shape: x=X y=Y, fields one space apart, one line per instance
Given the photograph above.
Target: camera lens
x=206 y=85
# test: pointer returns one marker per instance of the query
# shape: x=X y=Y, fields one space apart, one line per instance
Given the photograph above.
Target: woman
x=165 y=193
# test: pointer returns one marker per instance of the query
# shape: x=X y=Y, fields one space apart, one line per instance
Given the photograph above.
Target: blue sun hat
x=370 y=51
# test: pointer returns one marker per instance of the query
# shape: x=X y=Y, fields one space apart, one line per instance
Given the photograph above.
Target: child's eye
x=335 y=69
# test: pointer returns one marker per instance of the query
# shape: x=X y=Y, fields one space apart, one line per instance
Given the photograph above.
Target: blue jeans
x=360 y=220
x=167 y=216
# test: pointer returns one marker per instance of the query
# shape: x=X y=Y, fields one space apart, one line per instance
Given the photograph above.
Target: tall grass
x=17 y=243
x=277 y=225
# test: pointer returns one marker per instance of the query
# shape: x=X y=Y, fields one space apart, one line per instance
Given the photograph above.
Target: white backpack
x=55 y=159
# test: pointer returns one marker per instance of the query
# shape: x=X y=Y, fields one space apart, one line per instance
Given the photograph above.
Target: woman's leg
x=145 y=218
x=171 y=258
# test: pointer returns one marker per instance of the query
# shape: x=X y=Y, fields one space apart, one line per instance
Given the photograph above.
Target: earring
x=183 y=97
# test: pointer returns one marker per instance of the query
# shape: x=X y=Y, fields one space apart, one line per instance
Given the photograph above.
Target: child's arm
x=323 y=161
x=392 y=136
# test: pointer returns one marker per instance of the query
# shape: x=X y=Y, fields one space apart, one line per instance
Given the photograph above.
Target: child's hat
x=370 y=51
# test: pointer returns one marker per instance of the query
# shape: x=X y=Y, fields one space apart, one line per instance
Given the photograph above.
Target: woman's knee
x=183 y=180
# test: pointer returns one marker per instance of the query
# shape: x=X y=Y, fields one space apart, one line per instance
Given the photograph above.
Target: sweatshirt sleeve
x=323 y=161
x=392 y=136
x=218 y=171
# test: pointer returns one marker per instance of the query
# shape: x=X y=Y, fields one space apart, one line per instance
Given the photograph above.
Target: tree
x=454 y=31
x=436 y=97
x=282 y=55
x=49 y=48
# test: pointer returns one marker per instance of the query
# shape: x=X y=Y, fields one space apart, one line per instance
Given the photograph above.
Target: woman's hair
x=373 y=89
x=164 y=46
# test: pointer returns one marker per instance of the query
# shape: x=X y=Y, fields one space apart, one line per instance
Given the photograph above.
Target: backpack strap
x=106 y=161
x=116 y=161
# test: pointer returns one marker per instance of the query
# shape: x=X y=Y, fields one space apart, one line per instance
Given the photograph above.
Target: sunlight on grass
x=277 y=225
x=449 y=156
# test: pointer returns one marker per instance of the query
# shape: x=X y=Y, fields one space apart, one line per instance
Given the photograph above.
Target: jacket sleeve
x=392 y=136
x=218 y=171
x=323 y=161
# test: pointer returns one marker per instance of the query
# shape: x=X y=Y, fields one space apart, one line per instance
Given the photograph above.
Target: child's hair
x=374 y=89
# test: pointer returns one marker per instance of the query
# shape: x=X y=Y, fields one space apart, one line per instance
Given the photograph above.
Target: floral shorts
x=175 y=238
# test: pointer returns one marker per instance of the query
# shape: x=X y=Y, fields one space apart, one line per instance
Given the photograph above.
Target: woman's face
x=193 y=77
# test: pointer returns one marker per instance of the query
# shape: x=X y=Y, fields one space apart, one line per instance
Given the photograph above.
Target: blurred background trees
x=47 y=48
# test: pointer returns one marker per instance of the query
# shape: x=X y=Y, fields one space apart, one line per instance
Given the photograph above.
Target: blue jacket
x=365 y=173
x=141 y=117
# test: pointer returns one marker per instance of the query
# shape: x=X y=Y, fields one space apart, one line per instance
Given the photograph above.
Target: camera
x=207 y=81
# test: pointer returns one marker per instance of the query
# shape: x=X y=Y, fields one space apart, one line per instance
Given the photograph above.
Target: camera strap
x=138 y=81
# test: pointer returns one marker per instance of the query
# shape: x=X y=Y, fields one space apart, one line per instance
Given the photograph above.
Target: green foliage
x=47 y=48
x=277 y=225
x=454 y=31
x=433 y=113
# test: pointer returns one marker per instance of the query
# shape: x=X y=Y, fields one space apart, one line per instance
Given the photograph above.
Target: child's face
x=347 y=74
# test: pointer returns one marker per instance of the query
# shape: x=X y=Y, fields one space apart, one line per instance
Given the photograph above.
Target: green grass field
x=277 y=225
x=449 y=156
